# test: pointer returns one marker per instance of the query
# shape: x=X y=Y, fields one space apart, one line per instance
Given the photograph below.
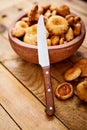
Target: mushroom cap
x=72 y=73
x=83 y=65
x=82 y=91
x=64 y=91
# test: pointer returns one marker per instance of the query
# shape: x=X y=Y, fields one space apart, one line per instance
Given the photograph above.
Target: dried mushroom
x=64 y=91
x=72 y=74
x=82 y=91
x=83 y=65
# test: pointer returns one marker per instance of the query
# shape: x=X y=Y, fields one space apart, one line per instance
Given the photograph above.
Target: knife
x=43 y=58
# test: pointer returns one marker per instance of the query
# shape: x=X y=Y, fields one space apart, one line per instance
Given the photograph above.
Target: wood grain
x=21 y=82
x=23 y=106
x=5 y=4
x=31 y=76
x=6 y=123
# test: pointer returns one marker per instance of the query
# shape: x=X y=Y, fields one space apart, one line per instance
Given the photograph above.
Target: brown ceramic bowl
x=56 y=53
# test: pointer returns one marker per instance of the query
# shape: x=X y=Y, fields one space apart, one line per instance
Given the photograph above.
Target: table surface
x=22 y=98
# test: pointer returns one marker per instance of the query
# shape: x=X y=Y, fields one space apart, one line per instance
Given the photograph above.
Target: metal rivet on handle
x=51 y=108
x=47 y=72
x=49 y=90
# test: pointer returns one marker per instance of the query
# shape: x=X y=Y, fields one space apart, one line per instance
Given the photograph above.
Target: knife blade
x=43 y=58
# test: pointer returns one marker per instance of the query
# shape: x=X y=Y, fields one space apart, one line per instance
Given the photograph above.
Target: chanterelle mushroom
x=64 y=91
x=72 y=73
x=83 y=65
x=82 y=91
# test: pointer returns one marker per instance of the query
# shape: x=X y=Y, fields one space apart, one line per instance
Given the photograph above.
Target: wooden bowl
x=57 y=53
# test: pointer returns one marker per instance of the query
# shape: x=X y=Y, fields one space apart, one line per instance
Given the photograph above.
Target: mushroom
x=64 y=91
x=72 y=73
x=82 y=91
x=83 y=65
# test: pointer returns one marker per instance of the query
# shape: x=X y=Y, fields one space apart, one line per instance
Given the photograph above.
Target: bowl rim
x=68 y=44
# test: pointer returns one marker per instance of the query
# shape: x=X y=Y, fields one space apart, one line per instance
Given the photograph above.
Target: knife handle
x=48 y=91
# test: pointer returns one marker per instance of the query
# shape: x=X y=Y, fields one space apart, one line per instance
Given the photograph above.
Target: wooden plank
x=71 y=112
x=77 y=5
x=85 y=40
x=23 y=106
x=31 y=76
x=6 y=14
x=6 y=123
x=4 y=54
x=6 y=3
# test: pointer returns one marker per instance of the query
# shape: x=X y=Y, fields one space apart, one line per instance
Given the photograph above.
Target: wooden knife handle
x=48 y=91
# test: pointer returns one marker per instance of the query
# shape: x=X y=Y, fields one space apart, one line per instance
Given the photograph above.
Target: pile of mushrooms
x=66 y=90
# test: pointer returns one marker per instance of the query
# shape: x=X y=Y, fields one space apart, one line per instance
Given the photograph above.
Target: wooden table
x=22 y=99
